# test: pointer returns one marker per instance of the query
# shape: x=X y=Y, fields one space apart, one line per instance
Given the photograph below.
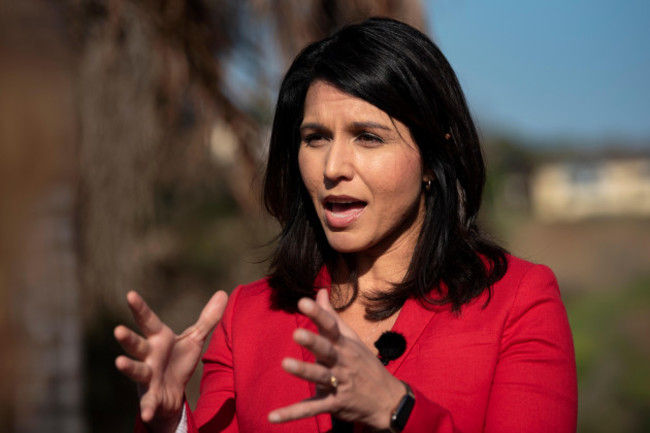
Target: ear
x=427 y=180
x=428 y=175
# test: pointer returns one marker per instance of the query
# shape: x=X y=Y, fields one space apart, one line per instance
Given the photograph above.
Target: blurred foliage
x=509 y=164
x=612 y=342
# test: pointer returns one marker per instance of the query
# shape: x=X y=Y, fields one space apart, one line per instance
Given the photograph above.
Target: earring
x=427 y=185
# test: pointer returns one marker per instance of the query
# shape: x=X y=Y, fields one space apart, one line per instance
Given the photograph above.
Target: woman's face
x=363 y=172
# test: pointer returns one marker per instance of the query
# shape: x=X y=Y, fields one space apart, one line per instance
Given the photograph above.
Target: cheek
x=401 y=177
x=412 y=174
x=308 y=171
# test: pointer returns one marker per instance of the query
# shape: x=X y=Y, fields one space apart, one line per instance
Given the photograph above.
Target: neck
x=374 y=272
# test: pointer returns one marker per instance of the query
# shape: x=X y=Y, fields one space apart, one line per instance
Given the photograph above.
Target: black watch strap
x=401 y=413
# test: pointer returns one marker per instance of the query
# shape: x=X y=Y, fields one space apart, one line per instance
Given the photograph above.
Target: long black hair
x=399 y=70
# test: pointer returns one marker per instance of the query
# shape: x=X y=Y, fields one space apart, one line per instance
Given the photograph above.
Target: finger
x=323 y=299
x=316 y=373
x=210 y=316
x=133 y=344
x=135 y=370
x=148 y=406
x=324 y=320
x=145 y=318
x=321 y=347
x=304 y=409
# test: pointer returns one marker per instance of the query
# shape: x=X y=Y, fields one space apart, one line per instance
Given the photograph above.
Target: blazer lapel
x=411 y=322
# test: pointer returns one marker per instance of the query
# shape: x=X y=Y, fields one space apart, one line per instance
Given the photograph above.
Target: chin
x=344 y=250
x=343 y=244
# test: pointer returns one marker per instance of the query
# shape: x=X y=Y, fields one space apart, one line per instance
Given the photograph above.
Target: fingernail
x=301 y=337
x=307 y=305
x=290 y=364
x=274 y=417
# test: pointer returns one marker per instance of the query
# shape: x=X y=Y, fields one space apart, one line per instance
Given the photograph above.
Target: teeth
x=330 y=204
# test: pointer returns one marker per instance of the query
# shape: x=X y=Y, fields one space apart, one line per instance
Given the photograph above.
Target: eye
x=314 y=139
x=369 y=139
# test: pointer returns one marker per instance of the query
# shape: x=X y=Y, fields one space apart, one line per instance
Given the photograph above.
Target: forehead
x=325 y=99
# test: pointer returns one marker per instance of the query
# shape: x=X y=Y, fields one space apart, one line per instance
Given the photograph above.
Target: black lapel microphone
x=391 y=345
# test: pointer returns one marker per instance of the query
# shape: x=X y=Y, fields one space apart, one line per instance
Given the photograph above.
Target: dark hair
x=399 y=70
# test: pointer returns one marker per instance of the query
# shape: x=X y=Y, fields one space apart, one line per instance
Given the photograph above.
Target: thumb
x=148 y=406
x=210 y=315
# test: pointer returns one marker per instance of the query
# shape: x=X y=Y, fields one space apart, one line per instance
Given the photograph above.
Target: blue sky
x=546 y=69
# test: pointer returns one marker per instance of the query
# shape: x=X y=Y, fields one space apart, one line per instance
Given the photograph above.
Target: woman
x=386 y=308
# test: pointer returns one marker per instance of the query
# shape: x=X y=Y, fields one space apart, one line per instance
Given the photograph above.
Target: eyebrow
x=357 y=125
x=312 y=125
x=371 y=125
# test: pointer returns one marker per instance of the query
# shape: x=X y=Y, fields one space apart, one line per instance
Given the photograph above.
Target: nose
x=339 y=161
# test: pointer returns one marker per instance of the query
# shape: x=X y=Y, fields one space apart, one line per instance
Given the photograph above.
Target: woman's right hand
x=163 y=362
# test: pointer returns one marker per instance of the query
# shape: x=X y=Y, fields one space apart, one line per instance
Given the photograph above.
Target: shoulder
x=523 y=274
x=528 y=289
x=254 y=288
x=251 y=304
x=524 y=285
x=518 y=267
x=255 y=295
x=253 y=328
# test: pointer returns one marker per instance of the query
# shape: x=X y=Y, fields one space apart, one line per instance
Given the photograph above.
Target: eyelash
x=364 y=137
x=309 y=139
x=367 y=137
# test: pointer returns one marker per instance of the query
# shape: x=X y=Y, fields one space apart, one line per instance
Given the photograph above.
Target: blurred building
x=580 y=189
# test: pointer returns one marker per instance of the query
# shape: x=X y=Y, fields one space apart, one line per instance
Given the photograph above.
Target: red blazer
x=505 y=367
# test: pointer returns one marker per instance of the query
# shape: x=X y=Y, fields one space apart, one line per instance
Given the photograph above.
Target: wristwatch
x=400 y=415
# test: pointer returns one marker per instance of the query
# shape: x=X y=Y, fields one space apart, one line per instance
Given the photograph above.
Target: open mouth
x=341 y=212
x=344 y=207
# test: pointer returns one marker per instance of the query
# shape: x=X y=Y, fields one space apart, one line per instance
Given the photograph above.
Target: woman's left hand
x=352 y=383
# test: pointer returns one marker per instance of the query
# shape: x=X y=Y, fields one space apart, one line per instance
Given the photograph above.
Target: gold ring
x=333 y=382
